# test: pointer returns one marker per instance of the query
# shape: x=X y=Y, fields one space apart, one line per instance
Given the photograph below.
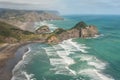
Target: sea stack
x=86 y=30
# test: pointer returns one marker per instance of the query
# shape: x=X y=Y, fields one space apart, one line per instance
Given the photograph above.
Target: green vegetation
x=11 y=34
x=81 y=25
x=59 y=31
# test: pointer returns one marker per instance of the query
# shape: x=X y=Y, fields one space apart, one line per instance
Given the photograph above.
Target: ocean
x=95 y=58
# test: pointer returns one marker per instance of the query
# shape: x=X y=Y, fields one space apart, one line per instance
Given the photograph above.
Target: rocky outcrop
x=52 y=39
x=80 y=30
x=43 y=29
x=89 y=31
x=86 y=30
x=10 y=34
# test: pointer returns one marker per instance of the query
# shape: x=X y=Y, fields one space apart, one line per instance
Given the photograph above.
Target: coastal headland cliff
x=11 y=34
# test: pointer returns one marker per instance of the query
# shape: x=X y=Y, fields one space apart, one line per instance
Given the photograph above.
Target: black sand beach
x=10 y=54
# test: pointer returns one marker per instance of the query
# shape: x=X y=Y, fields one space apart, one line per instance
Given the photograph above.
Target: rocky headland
x=80 y=30
x=11 y=34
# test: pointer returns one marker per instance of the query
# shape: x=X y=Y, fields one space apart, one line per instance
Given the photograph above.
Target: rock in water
x=80 y=30
x=89 y=31
x=86 y=30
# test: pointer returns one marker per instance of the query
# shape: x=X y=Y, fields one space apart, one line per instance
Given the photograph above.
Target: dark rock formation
x=80 y=30
x=85 y=30
x=42 y=29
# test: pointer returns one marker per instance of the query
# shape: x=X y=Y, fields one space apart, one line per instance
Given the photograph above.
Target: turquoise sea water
x=75 y=59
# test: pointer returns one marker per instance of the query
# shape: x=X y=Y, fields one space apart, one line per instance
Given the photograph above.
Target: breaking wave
x=51 y=26
x=18 y=72
x=67 y=58
x=61 y=61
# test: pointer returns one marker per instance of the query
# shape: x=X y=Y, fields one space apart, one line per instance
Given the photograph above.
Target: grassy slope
x=8 y=31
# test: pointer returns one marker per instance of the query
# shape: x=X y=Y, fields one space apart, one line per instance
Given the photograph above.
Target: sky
x=66 y=6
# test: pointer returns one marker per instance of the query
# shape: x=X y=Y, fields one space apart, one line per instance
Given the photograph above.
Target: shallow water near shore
x=75 y=59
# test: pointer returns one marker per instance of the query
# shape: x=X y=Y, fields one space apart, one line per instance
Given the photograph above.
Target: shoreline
x=7 y=56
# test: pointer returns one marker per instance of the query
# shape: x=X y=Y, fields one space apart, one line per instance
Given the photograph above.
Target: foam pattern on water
x=51 y=26
x=61 y=65
x=67 y=58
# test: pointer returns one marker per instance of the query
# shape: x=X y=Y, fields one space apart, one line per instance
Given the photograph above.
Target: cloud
x=66 y=6
x=31 y=1
x=29 y=4
x=92 y=6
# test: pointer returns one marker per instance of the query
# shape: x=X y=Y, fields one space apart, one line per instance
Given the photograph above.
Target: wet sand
x=8 y=59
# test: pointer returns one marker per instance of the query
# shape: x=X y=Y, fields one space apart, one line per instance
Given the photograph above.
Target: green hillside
x=11 y=34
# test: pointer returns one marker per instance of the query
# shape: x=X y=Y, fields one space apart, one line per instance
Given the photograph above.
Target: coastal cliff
x=80 y=30
x=11 y=34
x=24 y=19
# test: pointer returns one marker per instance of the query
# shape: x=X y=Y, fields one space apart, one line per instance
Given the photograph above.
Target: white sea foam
x=24 y=56
x=50 y=51
x=66 y=71
x=63 y=50
x=51 y=26
x=57 y=47
x=23 y=76
x=98 y=65
x=57 y=61
x=96 y=36
x=17 y=74
x=21 y=62
x=62 y=63
x=68 y=60
x=72 y=71
x=28 y=76
x=69 y=45
x=95 y=74
x=93 y=61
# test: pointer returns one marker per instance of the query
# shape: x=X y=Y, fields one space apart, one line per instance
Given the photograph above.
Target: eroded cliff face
x=89 y=31
x=73 y=33
x=80 y=30
x=24 y=19
x=11 y=34
x=53 y=39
